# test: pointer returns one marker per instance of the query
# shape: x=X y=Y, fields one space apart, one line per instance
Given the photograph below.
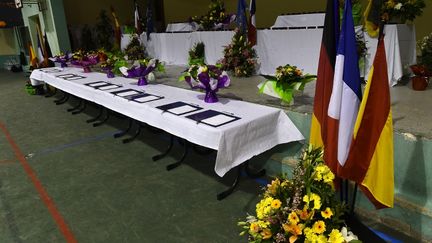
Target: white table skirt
x=299 y=47
x=400 y=47
x=259 y=129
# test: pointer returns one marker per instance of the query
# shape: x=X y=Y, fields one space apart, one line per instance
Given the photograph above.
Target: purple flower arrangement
x=209 y=78
x=144 y=71
x=85 y=60
x=62 y=59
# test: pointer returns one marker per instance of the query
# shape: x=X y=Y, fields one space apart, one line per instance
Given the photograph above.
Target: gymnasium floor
x=62 y=178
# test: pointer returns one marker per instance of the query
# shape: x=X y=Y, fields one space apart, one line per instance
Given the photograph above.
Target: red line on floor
x=49 y=203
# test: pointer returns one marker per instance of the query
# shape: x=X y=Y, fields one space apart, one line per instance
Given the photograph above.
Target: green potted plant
x=399 y=11
x=196 y=54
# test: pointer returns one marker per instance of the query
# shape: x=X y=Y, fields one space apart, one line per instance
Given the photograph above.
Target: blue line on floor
x=72 y=144
x=261 y=181
x=385 y=237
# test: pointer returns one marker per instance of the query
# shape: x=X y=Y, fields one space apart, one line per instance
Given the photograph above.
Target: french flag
x=346 y=94
x=252 y=32
x=137 y=20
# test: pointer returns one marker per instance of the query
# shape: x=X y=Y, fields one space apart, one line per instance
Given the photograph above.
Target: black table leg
x=50 y=94
x=185 y=152
x=75 y=107
x=249 y=173
x=101 y=109
x=122 y=133
x=63 y=99
x=228 y=192
x=160 y=156
x=252 y=174
x=80 y=109
x=137 y=132
x=103 y=120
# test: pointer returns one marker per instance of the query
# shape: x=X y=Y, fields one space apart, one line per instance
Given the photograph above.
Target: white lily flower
x=348 y=235
x=213 y=83
x=398 y=6
x=151 y=62
x=124 y=70
x=151 y=77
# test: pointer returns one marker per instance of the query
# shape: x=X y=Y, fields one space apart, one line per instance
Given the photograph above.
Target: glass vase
x=210 y=96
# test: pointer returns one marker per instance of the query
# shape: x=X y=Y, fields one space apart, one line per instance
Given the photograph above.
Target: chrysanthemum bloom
x=254 y=227
x=266 y=234
x=327 y=213
x=293 y=218
x=319 y=227
x=335 y=236
x=275 y=204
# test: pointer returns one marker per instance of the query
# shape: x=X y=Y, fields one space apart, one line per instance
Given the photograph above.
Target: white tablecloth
x=300 y=20
x=296 y=47
x=400 y=46
x=299 y=47
x=175 y=27
x=173 y=48
x=259 y=129
x=272 y=48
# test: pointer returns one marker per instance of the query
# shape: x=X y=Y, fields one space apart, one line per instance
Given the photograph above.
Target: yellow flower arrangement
x=298 y=209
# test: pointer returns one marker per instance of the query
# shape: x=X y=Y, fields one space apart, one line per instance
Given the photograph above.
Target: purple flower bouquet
x=85 y=61
x=62 y=59
x=143 y=71
x=209 y=78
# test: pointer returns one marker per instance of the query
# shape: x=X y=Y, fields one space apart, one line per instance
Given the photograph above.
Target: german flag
x=324 y=129
x=370 y=161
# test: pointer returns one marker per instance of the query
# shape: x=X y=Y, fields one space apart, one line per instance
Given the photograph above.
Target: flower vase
x=142 y=81
x=110 y=74
x=87 y=69
x=63 y=64
x=210 y=96
x=419 y=83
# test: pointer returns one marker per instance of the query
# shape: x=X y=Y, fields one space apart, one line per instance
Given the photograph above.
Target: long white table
x=259 y=128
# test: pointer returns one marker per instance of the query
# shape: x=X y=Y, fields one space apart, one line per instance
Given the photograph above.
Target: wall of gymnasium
x=268 y=10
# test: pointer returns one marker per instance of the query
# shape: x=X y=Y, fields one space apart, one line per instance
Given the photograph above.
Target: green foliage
x=134 y=50
x=128 y=29
x=214 y=16
x=404 y=9
x=104 y=31
x=425 y=47
x=196 y=54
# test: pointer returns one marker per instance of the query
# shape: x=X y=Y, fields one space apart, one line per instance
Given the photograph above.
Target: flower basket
x=287 y=81
x=299 y=209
